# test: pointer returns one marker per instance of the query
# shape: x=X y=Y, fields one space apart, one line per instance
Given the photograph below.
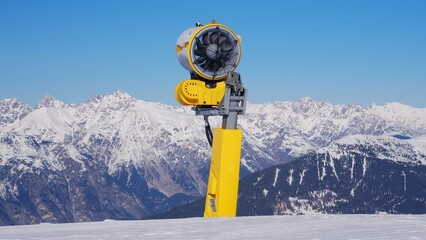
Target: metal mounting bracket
x=233 y=101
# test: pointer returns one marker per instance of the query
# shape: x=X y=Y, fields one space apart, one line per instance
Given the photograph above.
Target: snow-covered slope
x=355 y=174
x=383 y=147
x=151 y=151
x=273 y=227
x=400 y=114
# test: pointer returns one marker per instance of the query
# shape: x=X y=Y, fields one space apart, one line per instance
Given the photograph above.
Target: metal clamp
x=233 y=101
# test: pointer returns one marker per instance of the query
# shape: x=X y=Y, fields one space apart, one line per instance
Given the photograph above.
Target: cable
x=209 y=133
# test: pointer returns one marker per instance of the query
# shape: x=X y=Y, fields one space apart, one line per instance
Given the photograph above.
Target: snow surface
x=321 y=226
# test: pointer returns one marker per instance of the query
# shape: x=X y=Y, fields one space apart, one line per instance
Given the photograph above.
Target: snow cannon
x=209 y=53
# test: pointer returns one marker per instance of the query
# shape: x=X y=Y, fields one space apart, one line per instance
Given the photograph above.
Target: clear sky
x=346 y=51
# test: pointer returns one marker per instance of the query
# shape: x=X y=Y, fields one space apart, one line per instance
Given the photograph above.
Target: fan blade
x=205 y=65
x=213 y=38
x=225 y=57
x=215 y=66
x=200 y=45
x=226 y=46
x=200 y=60
x=210 y=65
x=205 y=38
x=222 y=38
x=222 y=62
x=200 y=52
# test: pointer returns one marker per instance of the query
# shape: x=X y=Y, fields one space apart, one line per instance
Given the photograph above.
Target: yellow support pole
x=222 y=190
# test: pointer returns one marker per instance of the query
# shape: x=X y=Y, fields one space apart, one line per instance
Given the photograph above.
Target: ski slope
x=380 y=226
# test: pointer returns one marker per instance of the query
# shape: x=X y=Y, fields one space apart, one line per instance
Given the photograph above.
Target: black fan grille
x=216 y=51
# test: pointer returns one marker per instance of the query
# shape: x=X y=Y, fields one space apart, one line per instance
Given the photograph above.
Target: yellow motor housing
x=196 y=93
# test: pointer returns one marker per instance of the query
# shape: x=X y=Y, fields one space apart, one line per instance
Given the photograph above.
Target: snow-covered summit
x=11 y=110
x=401 y=114
x=49 y=102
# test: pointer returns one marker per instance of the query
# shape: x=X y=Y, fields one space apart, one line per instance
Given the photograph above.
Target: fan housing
x=209 y=51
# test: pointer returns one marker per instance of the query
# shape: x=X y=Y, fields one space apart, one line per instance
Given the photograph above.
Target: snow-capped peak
x=117 y=100
x=120 y=94
x=10 y=103
x=11 y=110
x=117 y=96
x=306 y=99
x=49 y=102
x=401 y=114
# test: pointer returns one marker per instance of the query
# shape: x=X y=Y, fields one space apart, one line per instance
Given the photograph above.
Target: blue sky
x=359 y=52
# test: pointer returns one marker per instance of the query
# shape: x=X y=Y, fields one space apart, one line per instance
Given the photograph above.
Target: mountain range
x=123 y=158
x=357 y=174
